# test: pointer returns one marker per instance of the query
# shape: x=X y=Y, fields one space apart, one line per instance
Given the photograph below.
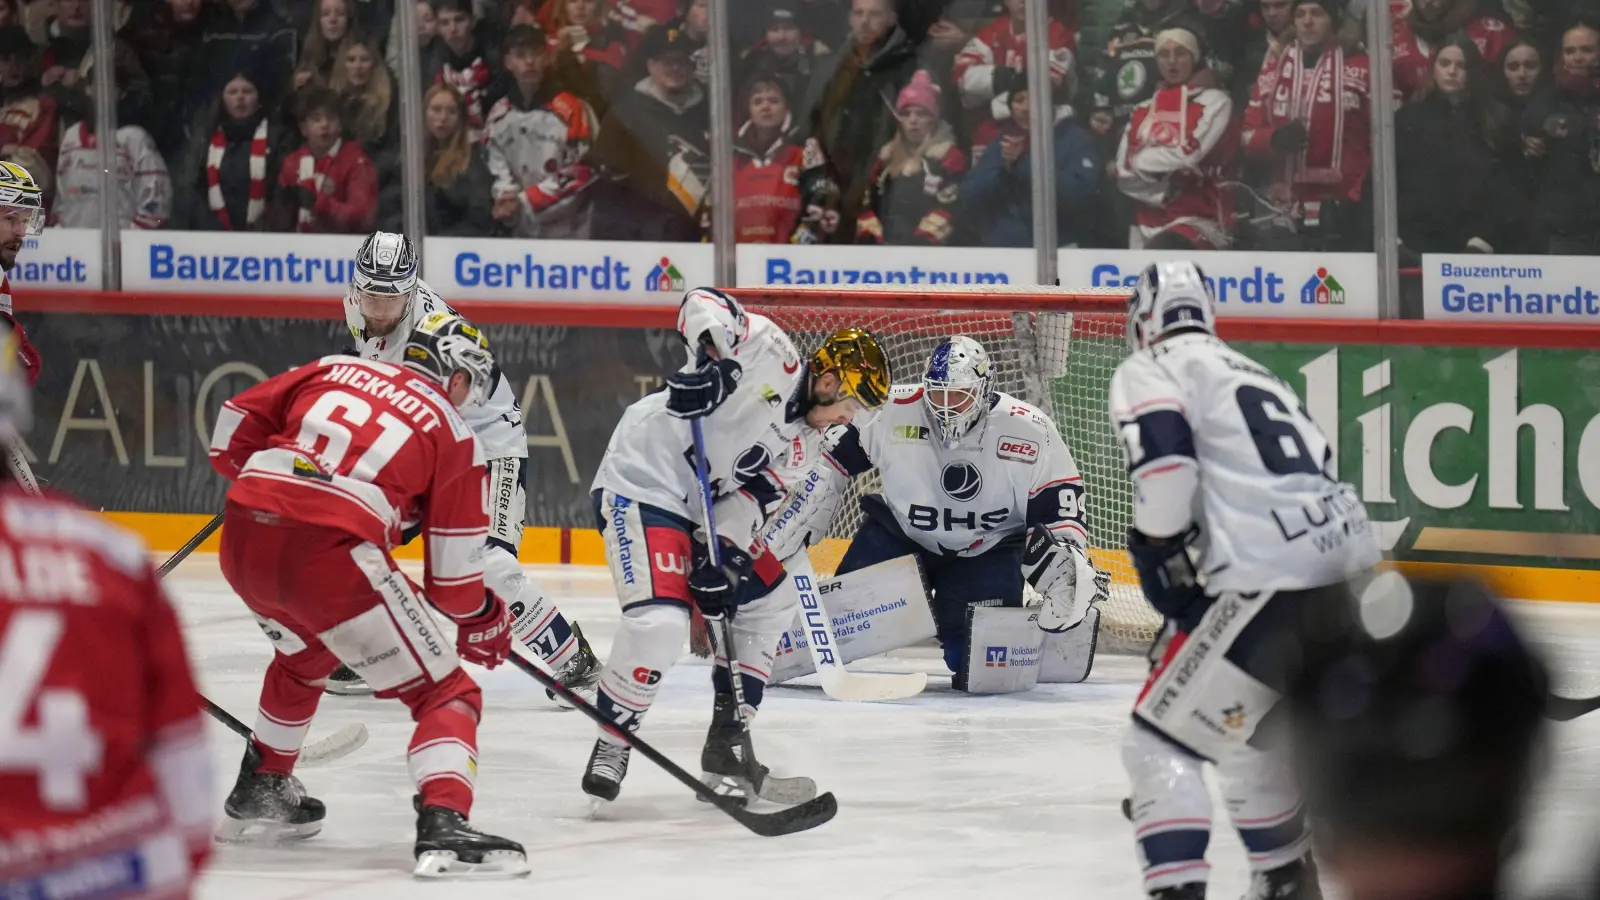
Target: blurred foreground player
x=1237 y=529
x=328 y=460
x=105 y=776
x=1417 y=734
x=384 y=301
x=21 y=217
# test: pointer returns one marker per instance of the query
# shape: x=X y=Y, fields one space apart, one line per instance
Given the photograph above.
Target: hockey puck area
x=938 y=795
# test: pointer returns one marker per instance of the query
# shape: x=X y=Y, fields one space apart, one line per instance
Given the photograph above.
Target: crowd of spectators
x=1209 y=124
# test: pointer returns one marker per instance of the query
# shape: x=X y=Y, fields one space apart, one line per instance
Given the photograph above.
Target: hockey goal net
x=1055 y=349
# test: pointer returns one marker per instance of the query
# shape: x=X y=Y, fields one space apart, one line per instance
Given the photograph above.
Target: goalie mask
x=1170 y=298
x=955 y=387
x=444 y=344
x=383 y=287
x=854 y=355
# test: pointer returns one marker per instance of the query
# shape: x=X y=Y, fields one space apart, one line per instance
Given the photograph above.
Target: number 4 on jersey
x=60 y=747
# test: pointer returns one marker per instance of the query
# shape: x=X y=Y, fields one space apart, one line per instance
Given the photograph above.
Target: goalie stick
x=18 y=464
x=806 y=816
x=335 y=746
x=838 y=682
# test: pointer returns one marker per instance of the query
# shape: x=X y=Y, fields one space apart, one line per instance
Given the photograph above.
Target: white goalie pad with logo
x=1003 y=649
x=1067 y=657
x=874 y=610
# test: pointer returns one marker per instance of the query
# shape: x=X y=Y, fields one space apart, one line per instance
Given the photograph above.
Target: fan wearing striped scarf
x=240 y=125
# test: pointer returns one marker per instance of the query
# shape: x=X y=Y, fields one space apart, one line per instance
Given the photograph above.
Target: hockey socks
x=443 y=756
x=540 y=626
x=283 y=717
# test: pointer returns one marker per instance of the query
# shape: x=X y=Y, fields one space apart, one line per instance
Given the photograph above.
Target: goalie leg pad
x=649 y=640
x=957 y=582
x=873 y=610
x=1002 y=653
x=1067 y=657
x=1199 y=695
x=1170 y=808
x=1266 y=809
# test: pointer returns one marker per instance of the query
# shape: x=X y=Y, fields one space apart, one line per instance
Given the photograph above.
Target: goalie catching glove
x=1061 y=572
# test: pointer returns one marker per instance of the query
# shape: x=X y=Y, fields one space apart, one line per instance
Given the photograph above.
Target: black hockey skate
x=1193 y=891
x=265 y=808
x=448 y=847
x=580 y=674
x=344 y=682
x=1295 y=881
x=608 y=765
x=726 y=771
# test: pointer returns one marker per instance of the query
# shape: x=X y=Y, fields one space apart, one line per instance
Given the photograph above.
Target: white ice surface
x=943 y=795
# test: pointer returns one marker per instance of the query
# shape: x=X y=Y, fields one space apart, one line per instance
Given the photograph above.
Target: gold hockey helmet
x=856 y=357
x=19 y=190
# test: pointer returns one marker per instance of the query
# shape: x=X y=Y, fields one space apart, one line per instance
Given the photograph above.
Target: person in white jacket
x=144 y=188
x=1177 y=154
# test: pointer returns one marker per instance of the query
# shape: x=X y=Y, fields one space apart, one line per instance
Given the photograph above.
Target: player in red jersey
x=330 y=462
x=105 y=777
x=21 y=216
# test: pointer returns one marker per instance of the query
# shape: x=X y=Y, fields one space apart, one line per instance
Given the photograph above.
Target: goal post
x=1056 y=349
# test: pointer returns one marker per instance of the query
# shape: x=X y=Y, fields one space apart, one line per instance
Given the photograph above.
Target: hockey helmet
x=709 y=315
x=18 y=191
x=855 y=355
x=1170 y=297
x=443 y=344
x=383 y=285
x=956 y=386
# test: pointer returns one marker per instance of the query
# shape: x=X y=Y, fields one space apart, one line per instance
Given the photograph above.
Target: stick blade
x=338 y=745
x=1565 y=709
x=804 y=817
x=852 y=687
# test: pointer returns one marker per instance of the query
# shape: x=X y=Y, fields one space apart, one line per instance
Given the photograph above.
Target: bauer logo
x=994 y=658
x=1017 y=449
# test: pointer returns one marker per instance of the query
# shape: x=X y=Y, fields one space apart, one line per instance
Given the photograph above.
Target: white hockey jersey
x=497 y=423
x=754 y=442
x=1011 y=472
x=1214 y=438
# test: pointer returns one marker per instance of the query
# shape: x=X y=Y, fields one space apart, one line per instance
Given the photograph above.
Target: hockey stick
x=339 y=744
x=1565 y=709
x=806 y=816
x=838 y=682
x=18 y=464
x=766 y=786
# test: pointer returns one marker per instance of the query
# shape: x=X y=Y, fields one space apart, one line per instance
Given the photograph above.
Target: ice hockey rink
x=942 y=795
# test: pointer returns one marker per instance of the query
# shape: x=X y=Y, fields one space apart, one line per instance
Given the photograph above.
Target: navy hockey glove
x=1166 y=573
x=716 y=591
x=691 y=395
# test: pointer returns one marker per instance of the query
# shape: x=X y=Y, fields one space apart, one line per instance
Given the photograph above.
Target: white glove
x=1070 y=585
x=803 y=518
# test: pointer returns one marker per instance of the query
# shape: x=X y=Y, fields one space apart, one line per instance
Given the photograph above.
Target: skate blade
x=735 y=789
x=443 y=864
x=263 y=831
x=348 y=689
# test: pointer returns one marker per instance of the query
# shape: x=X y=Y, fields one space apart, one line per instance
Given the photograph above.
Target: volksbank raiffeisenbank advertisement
x=1474 y=287
x=1291 y=285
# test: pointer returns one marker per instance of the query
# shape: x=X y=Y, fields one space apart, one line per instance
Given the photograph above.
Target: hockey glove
x=716 y=591
x=691 y=395
x=1166 y=573
x=485 y=636
x=1063 y=575
x=1290 y=137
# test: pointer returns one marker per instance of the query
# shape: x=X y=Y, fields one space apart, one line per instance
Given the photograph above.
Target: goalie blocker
x=885 y=607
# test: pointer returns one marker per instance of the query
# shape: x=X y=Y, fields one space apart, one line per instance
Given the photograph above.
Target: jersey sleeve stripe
x=1163 y=434
x=1045 y=487
x=1171 y=403
x=228 y=419
x=1147 y=471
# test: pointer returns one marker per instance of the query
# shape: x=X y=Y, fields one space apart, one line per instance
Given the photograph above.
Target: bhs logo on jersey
x=961 y=481
x=751 y=462
x=994 y=658
x=1017 y=449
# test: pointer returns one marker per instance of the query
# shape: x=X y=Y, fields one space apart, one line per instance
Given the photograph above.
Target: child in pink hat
x=913 y=185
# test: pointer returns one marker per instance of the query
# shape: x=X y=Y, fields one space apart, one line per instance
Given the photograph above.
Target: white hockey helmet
x=1170 y=297
x=709 y=314
x=443 y=344
x=19 y=191
x=383 y=285
x=955 y=386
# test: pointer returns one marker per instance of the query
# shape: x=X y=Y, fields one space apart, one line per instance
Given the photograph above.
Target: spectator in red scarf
x=227 y=180
x=913 y=186
x=459 y=185
x=328 y=185
x=1178 y=153
x=324 y=43
x=992 y=59
x=1421 y=27
x=1309 y=121
x=1269 y=29
x=463 y=57
x=766 y=165
x=1451 y=147
x=589 y=49
x=1565 y=123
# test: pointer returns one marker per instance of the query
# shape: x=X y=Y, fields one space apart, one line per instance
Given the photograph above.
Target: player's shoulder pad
x=1014 y=416
x=1142 y=383
x=53 y=517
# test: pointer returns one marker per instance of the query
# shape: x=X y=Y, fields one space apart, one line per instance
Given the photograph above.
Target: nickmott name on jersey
x=1476 y=287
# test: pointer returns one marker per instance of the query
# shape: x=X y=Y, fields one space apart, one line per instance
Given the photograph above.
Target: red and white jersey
x=998 y=44
x=369 y=448
x=1413 y=54
x=1178 y=152
x=25 y=349
x=105 y=777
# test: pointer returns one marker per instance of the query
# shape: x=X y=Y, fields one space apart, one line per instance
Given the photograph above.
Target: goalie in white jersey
x=383 y=305
x=982 y=488
x=1238 y=532
x=762 y=408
